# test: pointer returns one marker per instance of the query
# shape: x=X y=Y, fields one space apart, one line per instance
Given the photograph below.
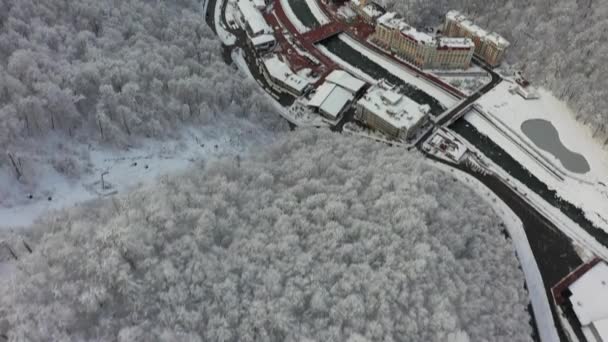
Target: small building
x=331 y=100
x=369 y=11
x=584 y=292
x=385 y=109
x=283 y=78
x=259 y=33
x=489 y=46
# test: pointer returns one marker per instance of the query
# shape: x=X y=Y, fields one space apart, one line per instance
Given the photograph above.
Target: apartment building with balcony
x=419 y=48
x=489 y=46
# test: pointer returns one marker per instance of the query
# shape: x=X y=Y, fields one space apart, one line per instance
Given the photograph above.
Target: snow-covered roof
x=373 y=10
x=254 y=18
x=497 y=39
x=455 y=15
x=262 y=39
x=394 y=108
x=590 y=295
x=393 y=21
x=456 y=43
x=331 y=99
x=321 y=94
x=388 y=19
x=345 y=80
x=281 y=71
x=416 y=35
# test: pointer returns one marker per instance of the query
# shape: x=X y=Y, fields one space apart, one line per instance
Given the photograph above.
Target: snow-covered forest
x=560 y=44
x=108 y=72
x=302 y=242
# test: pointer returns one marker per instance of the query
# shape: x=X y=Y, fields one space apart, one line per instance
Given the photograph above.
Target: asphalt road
x=496 y=79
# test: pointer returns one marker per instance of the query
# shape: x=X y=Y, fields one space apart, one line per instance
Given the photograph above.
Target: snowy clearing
x=445 y=98
x=534 y=281
x=226 y=37
x=293 y=17
x=468 y=85
x=125 y=169
x=588 y=191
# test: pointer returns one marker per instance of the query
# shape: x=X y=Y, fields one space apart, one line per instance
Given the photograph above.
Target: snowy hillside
x=299 y=242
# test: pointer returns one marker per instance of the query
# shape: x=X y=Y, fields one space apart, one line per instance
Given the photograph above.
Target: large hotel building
x=490 y=47
x=419 y=48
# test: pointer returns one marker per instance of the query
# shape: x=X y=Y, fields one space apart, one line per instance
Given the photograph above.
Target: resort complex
x=294 y=66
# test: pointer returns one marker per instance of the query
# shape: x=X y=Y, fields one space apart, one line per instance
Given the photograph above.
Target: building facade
x=421 y=49
x=489 y=46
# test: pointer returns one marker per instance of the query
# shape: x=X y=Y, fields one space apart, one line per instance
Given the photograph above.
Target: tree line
x=321 y=237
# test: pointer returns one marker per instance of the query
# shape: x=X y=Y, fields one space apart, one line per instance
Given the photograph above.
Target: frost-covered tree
x=110 y=72
x=320 y=238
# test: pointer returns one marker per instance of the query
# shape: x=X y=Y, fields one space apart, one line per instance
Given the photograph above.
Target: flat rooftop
x=331 y=99
x=590 y=295
x=395 y=108
x=456 y=43
x=345 y=80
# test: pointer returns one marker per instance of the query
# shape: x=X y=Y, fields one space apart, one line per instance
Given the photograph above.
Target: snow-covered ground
x=317 y=12
x=293 y=17
x=347 y=13
x=125 y=169
x=445 y=98
x=506 y=110
x=534 y=281
x=465 y=83
x=226 y=37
